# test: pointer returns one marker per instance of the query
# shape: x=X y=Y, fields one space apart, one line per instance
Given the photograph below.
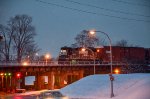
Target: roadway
x=18 y=97
x=27 y=95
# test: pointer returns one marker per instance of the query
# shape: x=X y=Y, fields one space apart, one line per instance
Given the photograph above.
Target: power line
x=131 y=3
x=89 y=12
x=117 y=11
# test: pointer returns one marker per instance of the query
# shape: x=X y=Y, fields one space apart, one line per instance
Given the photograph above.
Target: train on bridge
x=128 y=55
x=120 y=54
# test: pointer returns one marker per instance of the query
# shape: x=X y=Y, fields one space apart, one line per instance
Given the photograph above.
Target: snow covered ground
x=126 y=86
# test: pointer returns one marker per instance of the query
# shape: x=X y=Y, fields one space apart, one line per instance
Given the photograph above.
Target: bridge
x=59 y=74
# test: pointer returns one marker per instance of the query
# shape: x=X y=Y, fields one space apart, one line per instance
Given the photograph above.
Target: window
x=63 y=52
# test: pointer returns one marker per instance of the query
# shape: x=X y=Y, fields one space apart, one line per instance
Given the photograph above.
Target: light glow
x=9 y=74
x=83 y=49
x=2 y=74
x=98 y=50
x=117 y=71
x=92 y=32
x=25 y=63
x=18 y=75
x=47 y=56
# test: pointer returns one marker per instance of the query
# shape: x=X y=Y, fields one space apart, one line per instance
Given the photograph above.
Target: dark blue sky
x=57 y=22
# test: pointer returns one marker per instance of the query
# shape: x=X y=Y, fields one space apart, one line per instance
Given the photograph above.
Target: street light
x=37 y=57
x=92 y=32
x=2 y=75
x=47 y=56
x=117 y=71
x=83 y=49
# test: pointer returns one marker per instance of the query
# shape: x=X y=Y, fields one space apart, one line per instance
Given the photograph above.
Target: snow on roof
x=126 y=86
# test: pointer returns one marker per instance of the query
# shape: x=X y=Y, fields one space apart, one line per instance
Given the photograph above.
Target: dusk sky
x=57 y=22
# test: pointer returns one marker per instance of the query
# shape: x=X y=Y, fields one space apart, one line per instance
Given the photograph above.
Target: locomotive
x=137 y=55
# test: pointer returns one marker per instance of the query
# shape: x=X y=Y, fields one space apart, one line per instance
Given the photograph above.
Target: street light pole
x=93 y=57
x=111 y=68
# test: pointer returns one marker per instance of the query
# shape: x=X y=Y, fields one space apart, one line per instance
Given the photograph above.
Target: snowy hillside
x=126 y=86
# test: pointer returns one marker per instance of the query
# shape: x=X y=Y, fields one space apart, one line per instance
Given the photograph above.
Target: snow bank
x=126 y=86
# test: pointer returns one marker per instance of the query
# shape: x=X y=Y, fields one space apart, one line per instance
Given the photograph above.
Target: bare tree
x=18 y=35
x=23 y=33
x=31 y=50
x=7 y=41
x=124 y=43
x=83 y=39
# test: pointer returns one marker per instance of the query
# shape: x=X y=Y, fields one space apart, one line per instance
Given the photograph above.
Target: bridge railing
x=61 y=63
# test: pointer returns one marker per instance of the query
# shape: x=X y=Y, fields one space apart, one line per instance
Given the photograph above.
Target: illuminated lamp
x=116 y=71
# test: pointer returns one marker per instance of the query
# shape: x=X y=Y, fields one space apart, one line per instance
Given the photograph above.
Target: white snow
x=126 y=86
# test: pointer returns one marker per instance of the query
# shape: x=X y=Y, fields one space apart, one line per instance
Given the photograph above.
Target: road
x=27 y=95
x=18 y=97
